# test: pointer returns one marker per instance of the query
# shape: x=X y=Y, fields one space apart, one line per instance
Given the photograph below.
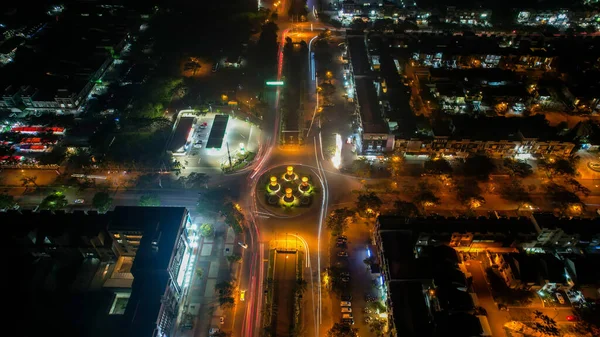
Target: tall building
x=125 y=272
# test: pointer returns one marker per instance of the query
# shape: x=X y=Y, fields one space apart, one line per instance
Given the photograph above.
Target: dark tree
x=338 y=220
x=342 y=330
x=515 y=192
x=405 y=208
x=439 y=166
x=7 y=201
x=518 y=168
x=54 y=201
x=479 y=167
x=368 y=201
x=102 y=201
x=468 y=193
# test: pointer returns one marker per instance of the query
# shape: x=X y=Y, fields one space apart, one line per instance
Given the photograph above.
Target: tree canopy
x=518 y=168
x=56 y=200
x=406 y=209
x=468 y=193
x=560 y=167
x=207 y=230
x=439 y=166
x=368 y=201
x=149 y=200
x=6 y=201
x=102 y=201
x=479 y=167
x=234 y=218
x=338 y=220
x=515 y=191
x=342 y=330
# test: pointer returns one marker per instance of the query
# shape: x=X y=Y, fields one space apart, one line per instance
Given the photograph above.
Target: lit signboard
x=275 y=83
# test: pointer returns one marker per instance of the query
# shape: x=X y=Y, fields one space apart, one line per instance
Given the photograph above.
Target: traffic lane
x=496 y=318
x=285 y=280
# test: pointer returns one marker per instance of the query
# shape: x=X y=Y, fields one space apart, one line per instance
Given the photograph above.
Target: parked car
x=572 y=318
x=345 y=304
x=348 y=321
x=79 y=201
x=222 y=320
x=347 y=316
x=341 y=244
x=342 y=237
x=345 y=274
x=368 y=319
x=345 y=279
x=561 y=299
x=343 y=253
x=346 y=297
x=346 y=309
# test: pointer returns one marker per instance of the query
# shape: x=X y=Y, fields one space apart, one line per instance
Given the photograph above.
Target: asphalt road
x=496 y=317
x=285 y=278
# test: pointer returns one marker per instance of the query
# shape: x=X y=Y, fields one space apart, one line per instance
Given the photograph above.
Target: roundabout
x=286 y=191
x=594 y=166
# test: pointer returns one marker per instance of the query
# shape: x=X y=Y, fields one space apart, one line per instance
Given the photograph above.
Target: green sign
x=275 y=83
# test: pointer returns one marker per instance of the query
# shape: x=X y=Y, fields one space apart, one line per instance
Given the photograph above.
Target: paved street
x=496 y=317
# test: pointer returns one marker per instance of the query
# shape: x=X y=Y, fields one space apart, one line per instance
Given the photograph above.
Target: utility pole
x=228 y=155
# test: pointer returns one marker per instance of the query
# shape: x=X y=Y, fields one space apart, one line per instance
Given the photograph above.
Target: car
x=345 y=279
x=213 y=331
x=222 y=320
x=561 y=299
x=242 y=295
x=348 y=321
x=347 y=298
x=346 y=309
x=345 y=274
x=367 y=311
x=79 y=201
x=341 y=244
x=342 y=237
x=345 y=304
x=368 y=319
x=347 y=316
x=342 y=254
x=197 y=145
x=572 y=318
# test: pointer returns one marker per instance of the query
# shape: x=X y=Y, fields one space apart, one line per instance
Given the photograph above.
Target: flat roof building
x=123 y=273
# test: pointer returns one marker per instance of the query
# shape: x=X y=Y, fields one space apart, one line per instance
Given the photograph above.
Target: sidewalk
x=202 y=299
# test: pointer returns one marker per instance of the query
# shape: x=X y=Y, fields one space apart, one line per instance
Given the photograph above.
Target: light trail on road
x=255 y=304
x=322 y=177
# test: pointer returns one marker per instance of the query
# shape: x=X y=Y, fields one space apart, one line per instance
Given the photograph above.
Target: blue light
x=368 y=252
x=380 y=280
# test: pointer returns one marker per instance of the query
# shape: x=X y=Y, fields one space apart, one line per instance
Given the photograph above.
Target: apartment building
x=136 y=261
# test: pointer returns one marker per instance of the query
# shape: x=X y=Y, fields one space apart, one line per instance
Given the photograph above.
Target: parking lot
x=239 y=135
x=355 y=301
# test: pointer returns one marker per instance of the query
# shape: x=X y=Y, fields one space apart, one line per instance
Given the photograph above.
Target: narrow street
x=496 y=317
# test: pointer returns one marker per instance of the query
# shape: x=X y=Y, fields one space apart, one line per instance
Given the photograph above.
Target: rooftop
x=409 y=308
x=369 y=107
